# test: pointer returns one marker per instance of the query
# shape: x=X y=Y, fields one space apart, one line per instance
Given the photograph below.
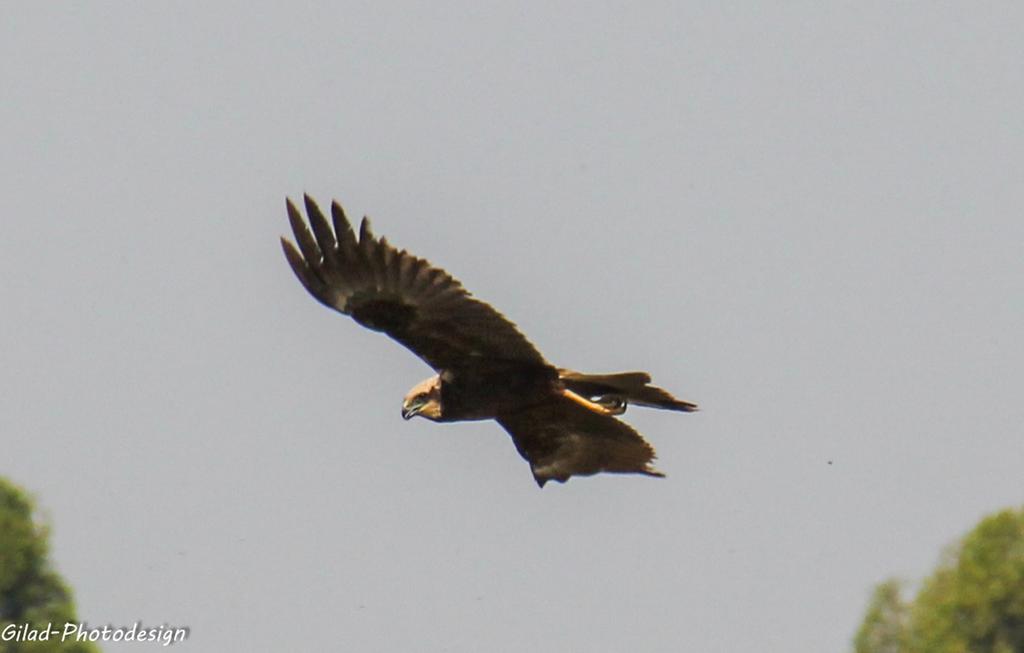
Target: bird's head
x=424 y=400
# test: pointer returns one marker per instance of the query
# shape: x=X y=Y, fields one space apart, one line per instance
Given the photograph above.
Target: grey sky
x=807 y=219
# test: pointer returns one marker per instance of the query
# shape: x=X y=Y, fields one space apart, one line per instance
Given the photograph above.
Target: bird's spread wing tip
x=381 y=287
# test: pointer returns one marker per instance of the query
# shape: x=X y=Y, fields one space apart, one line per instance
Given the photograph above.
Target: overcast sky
x=806 y=219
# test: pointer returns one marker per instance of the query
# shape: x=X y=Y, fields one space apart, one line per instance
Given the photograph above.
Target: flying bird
x=563 y=423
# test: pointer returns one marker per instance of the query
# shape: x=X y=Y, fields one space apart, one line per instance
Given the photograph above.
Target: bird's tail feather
x=616 y=391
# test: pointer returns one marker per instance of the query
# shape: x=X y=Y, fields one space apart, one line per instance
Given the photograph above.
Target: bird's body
x=562 y=422
x=475 y=391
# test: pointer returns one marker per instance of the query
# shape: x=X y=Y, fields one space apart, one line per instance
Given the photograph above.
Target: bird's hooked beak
x=423 y=400
x=411 y=408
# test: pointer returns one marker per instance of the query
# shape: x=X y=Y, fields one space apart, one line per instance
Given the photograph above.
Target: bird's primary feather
x=390 y=290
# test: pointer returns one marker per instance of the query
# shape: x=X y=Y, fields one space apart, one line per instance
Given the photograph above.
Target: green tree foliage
x=30 y=591
x=973 y=603
x=885 y=623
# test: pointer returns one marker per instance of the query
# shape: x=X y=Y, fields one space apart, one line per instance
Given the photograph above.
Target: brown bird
x=562 y=422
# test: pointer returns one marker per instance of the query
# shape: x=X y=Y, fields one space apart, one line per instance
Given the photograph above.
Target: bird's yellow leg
x=586 y=403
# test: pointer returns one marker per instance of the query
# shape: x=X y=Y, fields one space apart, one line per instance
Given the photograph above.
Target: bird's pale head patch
x=424 y=400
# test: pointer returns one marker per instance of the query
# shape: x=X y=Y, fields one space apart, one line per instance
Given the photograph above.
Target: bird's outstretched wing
x=390 y=290
x=560 y=438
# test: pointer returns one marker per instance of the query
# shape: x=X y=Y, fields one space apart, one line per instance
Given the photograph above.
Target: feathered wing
x=560 y=438
x=390 y=290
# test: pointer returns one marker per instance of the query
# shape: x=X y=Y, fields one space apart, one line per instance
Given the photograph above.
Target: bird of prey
x=563 y=423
